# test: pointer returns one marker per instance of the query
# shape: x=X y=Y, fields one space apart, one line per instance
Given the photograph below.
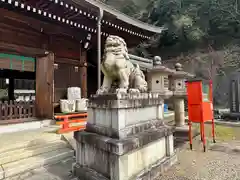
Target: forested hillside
x=203 y=34
x=192 y=24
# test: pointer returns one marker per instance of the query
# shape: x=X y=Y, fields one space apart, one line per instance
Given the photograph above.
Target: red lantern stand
x=200 y=107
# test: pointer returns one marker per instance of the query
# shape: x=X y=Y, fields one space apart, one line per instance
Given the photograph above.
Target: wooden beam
x=43 y=26
x=28 y=51
x=67 y=60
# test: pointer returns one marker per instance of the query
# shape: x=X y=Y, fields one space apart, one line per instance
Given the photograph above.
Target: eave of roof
x=123 y=17
x=144 y=63
x=162 y=69
x=182 y=74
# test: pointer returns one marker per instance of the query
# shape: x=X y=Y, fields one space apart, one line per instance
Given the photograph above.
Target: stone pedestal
x=181 y=132
x=179 y=112
x=125 y=139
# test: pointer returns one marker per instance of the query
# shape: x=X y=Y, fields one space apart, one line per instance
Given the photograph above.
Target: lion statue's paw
x=102 y=91
x=142 y=88
x=121 y=91
x=134 y=91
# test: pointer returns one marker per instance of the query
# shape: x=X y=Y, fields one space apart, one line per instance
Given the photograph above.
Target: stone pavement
x=220 y=162
x=60 y=171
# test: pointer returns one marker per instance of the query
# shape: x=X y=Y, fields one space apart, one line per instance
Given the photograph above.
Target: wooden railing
x=71 y=122
x=16 y=110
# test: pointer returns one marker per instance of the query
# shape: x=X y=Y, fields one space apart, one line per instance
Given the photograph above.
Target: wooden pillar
x=44 y=86
x=83 y=73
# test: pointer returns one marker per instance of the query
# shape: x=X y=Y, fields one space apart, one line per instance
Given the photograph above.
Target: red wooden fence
x=16 y=110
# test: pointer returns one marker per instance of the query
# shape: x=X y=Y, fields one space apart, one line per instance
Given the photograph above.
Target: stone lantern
x=157 y=77
x=178 y=87
x=177 y=80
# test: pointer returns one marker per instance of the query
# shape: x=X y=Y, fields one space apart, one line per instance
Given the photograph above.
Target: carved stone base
x=85 y=173
x=125 y=138
x=122 y=116
x=142 y=156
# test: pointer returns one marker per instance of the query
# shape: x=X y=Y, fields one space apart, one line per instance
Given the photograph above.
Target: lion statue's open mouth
x=117 y=67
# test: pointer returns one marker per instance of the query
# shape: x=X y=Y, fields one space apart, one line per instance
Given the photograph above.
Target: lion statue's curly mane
x=118 y=69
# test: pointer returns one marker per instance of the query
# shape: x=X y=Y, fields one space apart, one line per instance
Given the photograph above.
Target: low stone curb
x=225 y=123
x=221 y=122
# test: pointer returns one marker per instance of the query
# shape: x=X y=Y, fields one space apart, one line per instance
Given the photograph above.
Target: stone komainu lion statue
x=117 y=68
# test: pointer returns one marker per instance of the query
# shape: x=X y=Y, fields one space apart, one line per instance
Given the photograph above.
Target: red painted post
x=190 y=134
x=65 y=123
x=203 y=136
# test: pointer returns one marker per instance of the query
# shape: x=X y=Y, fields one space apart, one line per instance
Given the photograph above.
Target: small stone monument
x=125 y=137
x=234 y=96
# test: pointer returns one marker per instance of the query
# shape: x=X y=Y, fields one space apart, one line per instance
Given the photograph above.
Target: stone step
x=59 y=171
x=69 y=138
x=25 y=152
x=14 y=168
x=26 y=139
x=31 y=124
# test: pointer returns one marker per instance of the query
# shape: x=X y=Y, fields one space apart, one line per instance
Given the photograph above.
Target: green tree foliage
x=191 y=24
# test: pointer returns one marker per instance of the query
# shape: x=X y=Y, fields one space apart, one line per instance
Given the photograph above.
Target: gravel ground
x=220 y=162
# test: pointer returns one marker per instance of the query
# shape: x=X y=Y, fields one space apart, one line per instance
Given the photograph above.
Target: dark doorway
x=15 y=84
x=92 y=74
